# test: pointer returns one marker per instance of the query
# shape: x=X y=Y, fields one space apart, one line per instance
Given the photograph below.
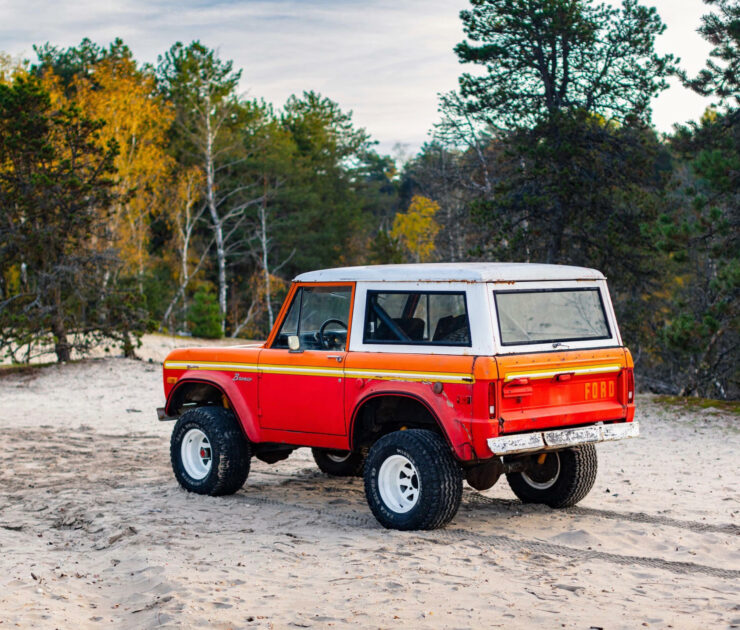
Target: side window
x=417 y=318
x=319 y=317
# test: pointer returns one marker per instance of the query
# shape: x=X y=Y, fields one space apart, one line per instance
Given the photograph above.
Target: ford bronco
x=416 y=377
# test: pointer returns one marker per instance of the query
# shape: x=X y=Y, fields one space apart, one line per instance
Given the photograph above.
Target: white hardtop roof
x=452 y=272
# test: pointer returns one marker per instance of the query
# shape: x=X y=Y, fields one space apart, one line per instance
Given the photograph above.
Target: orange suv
x=416 y=377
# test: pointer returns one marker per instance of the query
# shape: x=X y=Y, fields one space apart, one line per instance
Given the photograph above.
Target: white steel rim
x=196 y=454
x=548 y=483
x=338 y=457
x=399 y=483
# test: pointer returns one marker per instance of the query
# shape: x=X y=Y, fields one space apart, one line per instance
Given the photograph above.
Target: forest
x=142 y=197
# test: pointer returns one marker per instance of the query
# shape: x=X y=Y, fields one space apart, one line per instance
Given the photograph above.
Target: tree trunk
x=128 y=346
x=557 y=229
x=185 y=227
x=265 y=265
x=61 y=345
x=217 y=222
x=265 y=243
x=184 y=282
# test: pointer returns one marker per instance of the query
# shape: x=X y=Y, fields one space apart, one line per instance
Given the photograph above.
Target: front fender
x=229 y=388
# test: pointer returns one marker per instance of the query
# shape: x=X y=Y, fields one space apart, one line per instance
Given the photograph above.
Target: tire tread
x=579 y=466
x=233 y=449
x=442 y=489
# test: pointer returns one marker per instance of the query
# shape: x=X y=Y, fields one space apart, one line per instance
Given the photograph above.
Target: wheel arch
x=365 y=423
x=219 y=391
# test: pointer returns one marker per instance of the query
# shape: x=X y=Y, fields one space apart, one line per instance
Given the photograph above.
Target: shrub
x=203 y=316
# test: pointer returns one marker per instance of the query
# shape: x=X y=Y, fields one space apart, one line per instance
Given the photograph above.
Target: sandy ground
x=94 y=530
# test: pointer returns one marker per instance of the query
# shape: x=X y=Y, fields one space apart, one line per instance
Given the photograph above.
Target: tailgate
x=553 y=389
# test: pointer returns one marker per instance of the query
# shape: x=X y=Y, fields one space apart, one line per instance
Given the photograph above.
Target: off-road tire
x=576 y=476
x=343 y=464
x=230 y=451
x=439 y=475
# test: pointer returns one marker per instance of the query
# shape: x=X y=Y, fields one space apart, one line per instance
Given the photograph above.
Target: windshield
x=554 y=315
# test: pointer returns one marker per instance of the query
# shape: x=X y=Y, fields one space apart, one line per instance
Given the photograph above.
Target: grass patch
x=692 y=403
x=23 y=368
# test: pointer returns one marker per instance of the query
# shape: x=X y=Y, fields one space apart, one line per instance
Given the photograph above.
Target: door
x=303 y=389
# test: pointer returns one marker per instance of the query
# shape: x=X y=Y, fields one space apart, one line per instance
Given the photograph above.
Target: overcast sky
x=386 y=60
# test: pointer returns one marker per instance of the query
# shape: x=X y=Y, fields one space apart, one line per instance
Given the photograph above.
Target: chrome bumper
x=562 y=438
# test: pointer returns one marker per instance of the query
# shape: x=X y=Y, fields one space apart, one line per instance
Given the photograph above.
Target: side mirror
x=294 y=343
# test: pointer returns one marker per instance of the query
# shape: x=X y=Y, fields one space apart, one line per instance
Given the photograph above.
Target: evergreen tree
x=721 y=76
x=563 y=163
x=700 y=336
x=324 y=200
x=58 y=280
x=544 y=57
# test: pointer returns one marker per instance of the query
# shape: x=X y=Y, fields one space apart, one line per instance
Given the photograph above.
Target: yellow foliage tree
x=416 y=229
x=117 y=92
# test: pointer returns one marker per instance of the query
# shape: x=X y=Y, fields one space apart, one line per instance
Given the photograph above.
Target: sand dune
x=94 y=530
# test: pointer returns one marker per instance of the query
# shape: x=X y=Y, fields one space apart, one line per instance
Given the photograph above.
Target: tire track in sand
x=635 y=517
x=506 y=543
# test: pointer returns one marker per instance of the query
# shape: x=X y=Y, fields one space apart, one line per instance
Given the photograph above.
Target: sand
x=94 y=530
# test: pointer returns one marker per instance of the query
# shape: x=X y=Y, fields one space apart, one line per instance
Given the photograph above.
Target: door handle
x=517 y=392
x=517 y=388
x=337 y=357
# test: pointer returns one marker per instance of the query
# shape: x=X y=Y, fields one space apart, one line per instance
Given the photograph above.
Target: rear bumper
x=562 y=438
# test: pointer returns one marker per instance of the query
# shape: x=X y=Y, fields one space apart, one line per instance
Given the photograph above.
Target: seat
x=413 y=327
x=452 y=328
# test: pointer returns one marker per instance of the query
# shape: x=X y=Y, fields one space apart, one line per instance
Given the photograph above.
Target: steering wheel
x=323 y=340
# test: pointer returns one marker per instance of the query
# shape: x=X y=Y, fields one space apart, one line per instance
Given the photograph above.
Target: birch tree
x=272 y=150
x=208 y=121
x=185 y=214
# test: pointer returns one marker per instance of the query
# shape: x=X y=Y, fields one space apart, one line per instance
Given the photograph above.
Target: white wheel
x=196 y=454
x=412 y=480
x=399 y=484
x=209 y=452
x=545 y=475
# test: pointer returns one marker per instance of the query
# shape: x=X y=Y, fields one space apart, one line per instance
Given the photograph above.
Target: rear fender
x=451 y=427
x=228 y=389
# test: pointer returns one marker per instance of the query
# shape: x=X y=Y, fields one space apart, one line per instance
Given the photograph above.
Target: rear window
x=554 y=315
x=417 y=318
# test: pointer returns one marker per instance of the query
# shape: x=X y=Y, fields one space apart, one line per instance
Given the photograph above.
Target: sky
x=386 y=60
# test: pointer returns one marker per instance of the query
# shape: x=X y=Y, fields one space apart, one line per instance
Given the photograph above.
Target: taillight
x=630 y=386
x=492 y=399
